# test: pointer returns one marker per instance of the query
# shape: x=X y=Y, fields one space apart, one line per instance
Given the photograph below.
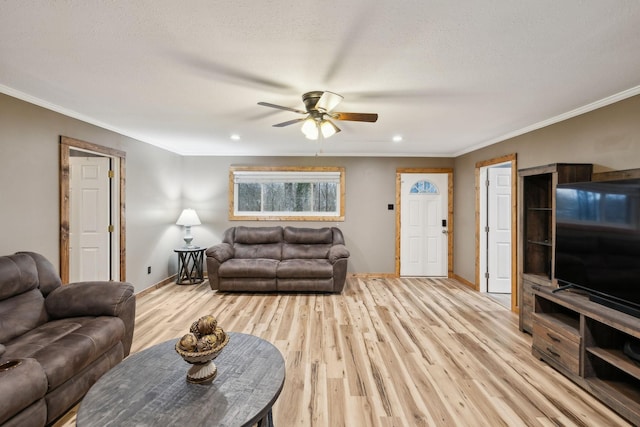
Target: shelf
x=540 y=277
x=569 y=323
x=543 y=243
x=616 y=358
x=619 y=394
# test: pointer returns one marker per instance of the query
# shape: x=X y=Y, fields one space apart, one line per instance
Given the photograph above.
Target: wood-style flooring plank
x=386 y=352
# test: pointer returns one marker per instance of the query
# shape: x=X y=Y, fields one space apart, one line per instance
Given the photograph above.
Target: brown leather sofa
x=56 y=341
x=278 y=259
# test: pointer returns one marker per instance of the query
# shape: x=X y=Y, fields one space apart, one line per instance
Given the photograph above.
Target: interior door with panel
x=423 y=224
x=89 y=236
x=499 y=230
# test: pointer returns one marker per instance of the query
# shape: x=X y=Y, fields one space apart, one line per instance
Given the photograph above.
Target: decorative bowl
x=203 y=369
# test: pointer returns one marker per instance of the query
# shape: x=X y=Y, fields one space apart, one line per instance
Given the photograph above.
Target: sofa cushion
x=21 y=302
x=18 y=274
x=258 y=267
x=304 y=268
x=21 y=314
x=299 y=251
x=64 y=347
x=258 y=235
x=48 y=278
x=25 y=382
x=308 y=235
x=268 y=250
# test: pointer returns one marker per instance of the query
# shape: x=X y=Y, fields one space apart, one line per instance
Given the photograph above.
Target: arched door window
x=424 y=187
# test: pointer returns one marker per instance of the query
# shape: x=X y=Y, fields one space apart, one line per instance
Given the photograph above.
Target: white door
x=423 y=224
x=499 y=230
x=89 y=218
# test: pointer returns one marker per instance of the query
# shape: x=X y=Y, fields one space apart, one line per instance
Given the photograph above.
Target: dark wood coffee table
x=149 y=388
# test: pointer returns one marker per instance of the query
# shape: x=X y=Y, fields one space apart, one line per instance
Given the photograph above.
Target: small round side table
x=190 y=265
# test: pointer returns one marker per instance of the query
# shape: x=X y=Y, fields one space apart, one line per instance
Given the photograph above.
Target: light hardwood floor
x=386 y=352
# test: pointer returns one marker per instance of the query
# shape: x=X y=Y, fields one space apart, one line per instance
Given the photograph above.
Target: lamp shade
x=188 y=217
x=328 y=128
x=310 y=128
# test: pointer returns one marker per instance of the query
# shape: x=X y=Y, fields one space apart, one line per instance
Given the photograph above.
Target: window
x=424 y=187
x=304 y=194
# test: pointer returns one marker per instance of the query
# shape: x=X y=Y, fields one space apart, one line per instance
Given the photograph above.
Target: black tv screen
x=598 y=241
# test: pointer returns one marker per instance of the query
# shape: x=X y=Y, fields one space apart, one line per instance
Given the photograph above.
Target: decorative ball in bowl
x=200 y=346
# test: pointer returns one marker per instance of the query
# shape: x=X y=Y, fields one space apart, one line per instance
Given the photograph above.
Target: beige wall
x=29 y=195
x=369 y=227
x=609 y=138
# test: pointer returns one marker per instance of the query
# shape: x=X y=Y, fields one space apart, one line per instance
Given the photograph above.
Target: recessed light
x=235 y=137
x=397 y=138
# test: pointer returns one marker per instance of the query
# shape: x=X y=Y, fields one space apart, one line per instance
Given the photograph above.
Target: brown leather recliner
x=56 y=341
x=278 y=259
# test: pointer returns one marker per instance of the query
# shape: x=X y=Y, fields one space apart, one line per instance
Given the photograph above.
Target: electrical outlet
x=149 y=270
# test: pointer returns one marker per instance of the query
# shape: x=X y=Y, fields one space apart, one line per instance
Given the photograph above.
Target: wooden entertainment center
x=582 y=339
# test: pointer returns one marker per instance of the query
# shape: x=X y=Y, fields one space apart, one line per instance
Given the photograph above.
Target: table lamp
x=188 y=217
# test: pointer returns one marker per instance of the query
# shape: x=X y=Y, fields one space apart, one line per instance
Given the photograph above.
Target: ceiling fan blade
x=328 y=101
x=336 y=127
x=289 y=122
x=356 y=117
x=224 y=72
x=280 y=107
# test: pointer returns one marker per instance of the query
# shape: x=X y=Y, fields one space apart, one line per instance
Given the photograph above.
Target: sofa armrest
x=221 y=252
x=337 y=252
x=88 y=299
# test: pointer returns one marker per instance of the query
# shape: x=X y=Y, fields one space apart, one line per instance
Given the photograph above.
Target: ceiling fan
x=319 y=106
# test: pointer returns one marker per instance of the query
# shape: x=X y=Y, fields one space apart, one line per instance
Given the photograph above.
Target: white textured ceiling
x=449 y=76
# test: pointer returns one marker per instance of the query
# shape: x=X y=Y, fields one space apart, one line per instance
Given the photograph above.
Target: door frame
x=66 y=145
x=509 y=158
x=449 y=172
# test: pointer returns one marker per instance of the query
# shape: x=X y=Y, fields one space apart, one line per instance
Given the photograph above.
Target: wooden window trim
x=233 y=217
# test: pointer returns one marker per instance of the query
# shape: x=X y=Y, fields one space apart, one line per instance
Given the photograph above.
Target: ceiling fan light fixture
x=328 y=128
x=319 y=107
x=310 y=129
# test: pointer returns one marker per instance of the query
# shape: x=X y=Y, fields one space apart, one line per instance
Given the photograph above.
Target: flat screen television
x=598 y=241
